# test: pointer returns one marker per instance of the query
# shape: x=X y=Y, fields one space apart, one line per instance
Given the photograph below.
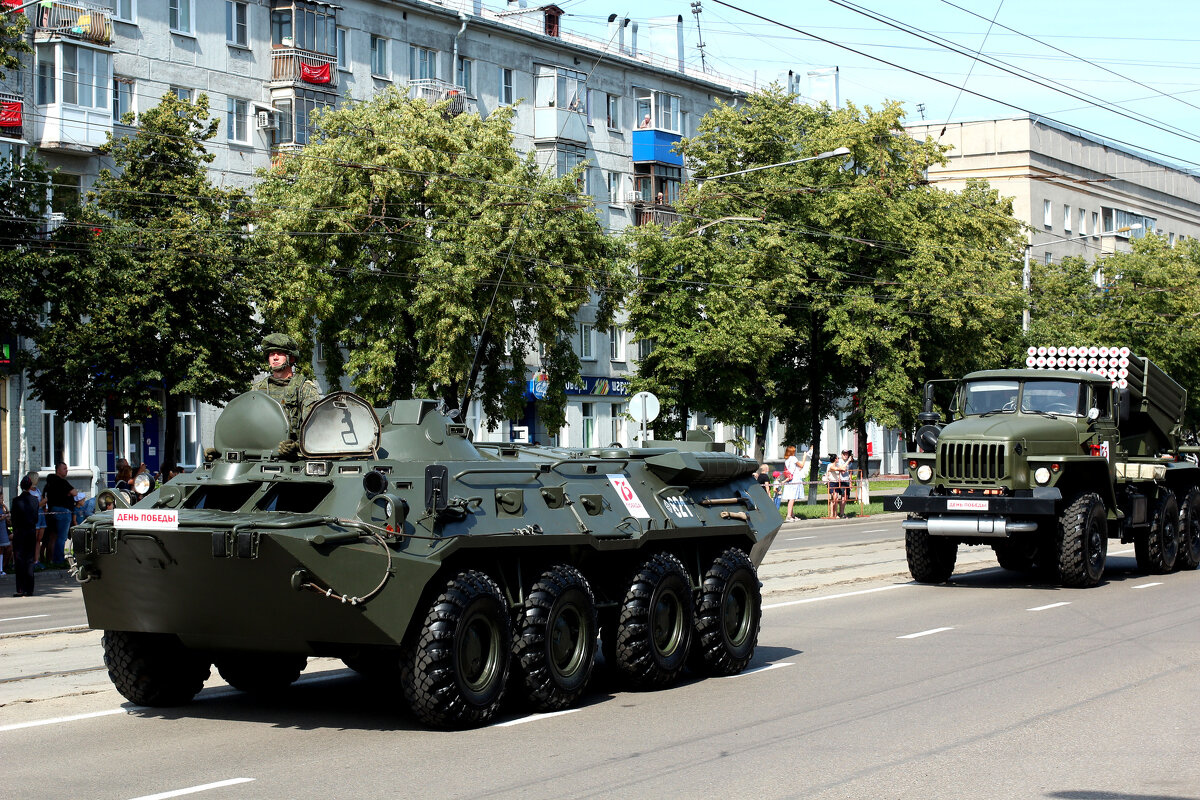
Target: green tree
x=12 y=41
x=151 y=298
x=415 y=239
x=857 y=275
x=24 y=203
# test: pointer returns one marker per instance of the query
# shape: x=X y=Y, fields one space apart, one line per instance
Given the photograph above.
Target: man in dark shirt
x=24 y=536
x=60 y=501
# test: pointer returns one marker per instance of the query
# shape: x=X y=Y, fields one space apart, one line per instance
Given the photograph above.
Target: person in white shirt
x=793 y=490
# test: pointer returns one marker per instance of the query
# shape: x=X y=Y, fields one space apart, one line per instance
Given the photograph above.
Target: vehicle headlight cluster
x=1041 y=475
x=924 y=473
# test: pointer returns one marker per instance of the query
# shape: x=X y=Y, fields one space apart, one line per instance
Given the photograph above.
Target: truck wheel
x=453 y=669
x=1189 y=530
x=1082 y=541
x=153 y=669
x=930 y=558
x=1157 y=549
x=260 y=673
x=654 y=628
x=1019 y=556
x=727 y=615
x=555 y=643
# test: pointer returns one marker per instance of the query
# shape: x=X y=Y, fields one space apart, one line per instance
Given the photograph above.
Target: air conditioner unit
x=266 y=120
x=633 y=197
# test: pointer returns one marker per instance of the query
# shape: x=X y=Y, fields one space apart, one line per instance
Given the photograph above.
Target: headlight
x=141 y=484
x=1042 y=476
x=924 y=473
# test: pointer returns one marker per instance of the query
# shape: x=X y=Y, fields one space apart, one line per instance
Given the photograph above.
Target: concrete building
x=618 y=105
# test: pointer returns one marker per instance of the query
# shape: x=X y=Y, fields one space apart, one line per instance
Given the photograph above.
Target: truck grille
x=972 y=462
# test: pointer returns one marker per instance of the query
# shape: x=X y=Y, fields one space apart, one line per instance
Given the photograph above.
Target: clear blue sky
x=1131 y=71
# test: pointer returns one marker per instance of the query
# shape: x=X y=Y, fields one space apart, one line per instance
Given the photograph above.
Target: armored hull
x=465 y=571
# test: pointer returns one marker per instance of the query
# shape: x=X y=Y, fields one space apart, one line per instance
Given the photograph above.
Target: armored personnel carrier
x=1047 y=463
x=460 y=570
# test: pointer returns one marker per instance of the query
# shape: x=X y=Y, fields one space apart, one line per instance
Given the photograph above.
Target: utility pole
x=696 y=9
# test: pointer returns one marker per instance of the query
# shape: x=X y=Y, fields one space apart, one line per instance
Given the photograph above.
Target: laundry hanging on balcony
x=314 y=74
x=10 y=114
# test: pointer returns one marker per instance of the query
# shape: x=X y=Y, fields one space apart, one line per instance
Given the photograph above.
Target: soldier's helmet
x=281 y=342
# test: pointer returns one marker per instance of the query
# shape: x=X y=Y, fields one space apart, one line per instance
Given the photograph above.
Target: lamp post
x=841 y=151
x=1026 y=274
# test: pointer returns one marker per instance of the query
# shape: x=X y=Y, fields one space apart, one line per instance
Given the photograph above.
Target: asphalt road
x=992 y=686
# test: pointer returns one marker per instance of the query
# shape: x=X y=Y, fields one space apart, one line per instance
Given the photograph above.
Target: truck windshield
x=984 y=397
x=1051 y=397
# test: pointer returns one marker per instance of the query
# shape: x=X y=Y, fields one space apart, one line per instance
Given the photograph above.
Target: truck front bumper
x=989 y=517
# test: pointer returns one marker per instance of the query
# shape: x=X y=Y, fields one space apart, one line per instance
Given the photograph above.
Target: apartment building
x=617 y=105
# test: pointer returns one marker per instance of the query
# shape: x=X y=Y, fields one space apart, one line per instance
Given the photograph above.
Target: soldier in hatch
x=285 y=384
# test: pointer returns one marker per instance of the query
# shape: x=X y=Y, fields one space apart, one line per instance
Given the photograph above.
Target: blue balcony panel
x=653 y=145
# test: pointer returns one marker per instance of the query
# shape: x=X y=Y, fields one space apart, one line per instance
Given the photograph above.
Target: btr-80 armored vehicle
x=394 y=543
x=1046 y=464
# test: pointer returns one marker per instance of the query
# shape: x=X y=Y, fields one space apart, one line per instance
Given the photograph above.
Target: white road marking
x=836 y=596
x=31 y=616
x=193 y=789
x=924 y=633
x=1052 y=605
x=1120 y=552
x=794 y=539
x=1147 y=585
x=534 y=718
x=776 y=665
x=56 y=720
x=877 y=530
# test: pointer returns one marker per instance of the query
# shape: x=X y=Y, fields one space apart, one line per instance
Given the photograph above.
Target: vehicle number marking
x=628 y=496
x=967 y=505
x=678 y=507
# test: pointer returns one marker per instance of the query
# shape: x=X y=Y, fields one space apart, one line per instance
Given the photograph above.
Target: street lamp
x=841 y=151
x=1025 y=271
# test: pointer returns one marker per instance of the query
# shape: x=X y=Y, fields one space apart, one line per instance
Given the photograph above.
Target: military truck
x=1047 y=463
x=457 y=570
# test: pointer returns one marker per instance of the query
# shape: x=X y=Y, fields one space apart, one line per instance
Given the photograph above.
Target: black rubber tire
x=728 y=613
x=1157 y=549
x=654 y=629
x=454 y=668
x=1020 y=555
x=153 y=669
x=1082 y=541
x=260 y=673
x=1189 y=529
x=930 y=558
x=554 y=648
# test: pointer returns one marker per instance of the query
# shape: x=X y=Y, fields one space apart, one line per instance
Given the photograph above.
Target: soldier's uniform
x=296 y=394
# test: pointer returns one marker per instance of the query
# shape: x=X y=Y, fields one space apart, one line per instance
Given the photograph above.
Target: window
x=179 y=15
x=284 y=132
x=122 y=98
x=1082 y=222
x=236 y=25
x=587 y=412
x=45 y=76
x=343 y=49
x=1047 y=214
x=63 y=441
x=1115 y=219
x=1067 y=219
x=379 y=56
x=85 y=75
x=562 y=88
x=293 y=118
x=614 y=187
x=1095 y=224
x=645 y=347
x=65 y=192
x=462 y=75
x=616 y=344
x=613 y=111
x=618 y=424
x=663 y=110
x=587 y=351
x=568 y=157
x=189 y=442
x=422 y=63
x=125 y=10
x=506 y=86
x=307 y=27
x=236 y=120
x=183 y=94
x=1049 y=258
x=658 y=183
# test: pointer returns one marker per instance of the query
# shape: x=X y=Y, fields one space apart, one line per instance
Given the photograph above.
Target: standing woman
x=793 y=490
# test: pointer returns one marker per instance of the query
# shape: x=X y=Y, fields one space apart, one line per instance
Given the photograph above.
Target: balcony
x=12 y=116
x=297 y=68
x=559 y=124
x=655 y=145
x=82 y=21
x=434 y=90
x=655 y=214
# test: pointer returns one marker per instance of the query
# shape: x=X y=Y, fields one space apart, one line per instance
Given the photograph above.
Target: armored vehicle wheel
x=654 y=628
x=1082 y=541
x=453 y=669
x=153 y=669
x=1157 y=549
x=260 y=673
x=555 y=641
x=1189 y=530
x=930 y=558
x=727 y=615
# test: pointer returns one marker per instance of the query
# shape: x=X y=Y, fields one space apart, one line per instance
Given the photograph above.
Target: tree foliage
x=12 y=41
x=833 y=276
x=151 y=298
x=413 y=237
x=24 y=202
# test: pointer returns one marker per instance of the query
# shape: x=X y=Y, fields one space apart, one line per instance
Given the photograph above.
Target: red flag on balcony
x=12 y=3
x=10 y=113
x=312 y=74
